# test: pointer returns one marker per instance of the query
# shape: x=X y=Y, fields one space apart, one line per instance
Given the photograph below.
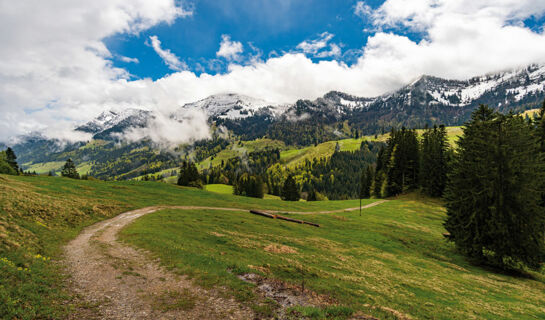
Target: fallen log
x=275 y=216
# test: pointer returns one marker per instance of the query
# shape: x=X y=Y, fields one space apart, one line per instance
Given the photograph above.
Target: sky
x=63 y=62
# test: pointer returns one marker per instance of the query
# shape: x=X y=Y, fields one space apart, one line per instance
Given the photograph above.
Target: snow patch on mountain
x=226 y=106
x=111 y=118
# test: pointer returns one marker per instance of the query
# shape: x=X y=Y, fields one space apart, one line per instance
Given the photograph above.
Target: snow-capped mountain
x=226 y=106
x=118 y=120
x=502 y=90
x=513 y=89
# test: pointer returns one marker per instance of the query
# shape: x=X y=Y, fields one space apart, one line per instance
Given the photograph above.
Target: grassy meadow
x=392 y=262
x=39 y=214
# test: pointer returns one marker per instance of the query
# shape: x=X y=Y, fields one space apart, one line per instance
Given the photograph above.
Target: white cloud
x=316 y=47
x=129 y=59
x=230 y=50
x=62 y=74
x=363 y=10
x=169 y=133
x=170 y=59
x=313 y=46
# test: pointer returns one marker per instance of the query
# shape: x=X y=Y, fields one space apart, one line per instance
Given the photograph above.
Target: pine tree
x=69 y=170
x=540 y=132
x=493 y=212
x=434 y=153
x=365 y=183
x=290 y=191
x=189 y=175
x=402 y=168
x=11 y=158
x=379 y=173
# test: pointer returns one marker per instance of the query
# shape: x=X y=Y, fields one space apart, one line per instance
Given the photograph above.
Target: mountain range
x=426 y=100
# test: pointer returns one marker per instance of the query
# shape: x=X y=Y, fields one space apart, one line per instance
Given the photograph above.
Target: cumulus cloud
x=229 y=49
x=315 y=47
x=63 y=73
x=170 y=59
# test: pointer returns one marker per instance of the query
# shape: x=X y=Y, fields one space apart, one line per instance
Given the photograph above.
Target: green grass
x=219 y=188
x=391 y=262
x=38 y=214
x=238 y=149
x=227 y=189
x=45 y=167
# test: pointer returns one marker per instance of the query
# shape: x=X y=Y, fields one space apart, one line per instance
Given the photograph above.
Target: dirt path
x=331 y=211
x=115 y=281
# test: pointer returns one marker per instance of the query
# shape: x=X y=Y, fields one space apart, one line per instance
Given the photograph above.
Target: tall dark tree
x=403 y=162
x=249 y=186
x=69 y=170
x=11 y=159
x=434 y=161
x=492 y=197
x=540 y=133
x=365 y=183
x=290 y=191
x=189 y=175
x=379 y=175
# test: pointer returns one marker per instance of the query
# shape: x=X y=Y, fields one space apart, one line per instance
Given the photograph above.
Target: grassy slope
x=227 y=189
x=237 y=150
x=39 y=214
x=392 y=258
x=293 y=157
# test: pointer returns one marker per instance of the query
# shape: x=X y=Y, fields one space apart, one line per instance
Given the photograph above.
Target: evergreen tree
x=540 y=132
x=365 y=184
x=379 y=173
x=11 y=159
x=493 y=212
x=434 y=151
x=312 y=196
x=69 y=170
x=189 y=175
x=290 y=191
x=403 y=167
x=4 y=165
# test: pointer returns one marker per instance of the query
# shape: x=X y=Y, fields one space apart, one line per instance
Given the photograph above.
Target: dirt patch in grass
x=275 y=248
x=286 y=295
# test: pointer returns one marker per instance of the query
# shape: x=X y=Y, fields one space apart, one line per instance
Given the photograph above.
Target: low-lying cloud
x=167 y=132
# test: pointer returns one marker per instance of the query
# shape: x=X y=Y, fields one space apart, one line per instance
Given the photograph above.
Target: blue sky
x=270 y=26
x=64 y=62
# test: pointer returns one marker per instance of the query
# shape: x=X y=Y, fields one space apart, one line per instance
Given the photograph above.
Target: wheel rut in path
x=115 y=281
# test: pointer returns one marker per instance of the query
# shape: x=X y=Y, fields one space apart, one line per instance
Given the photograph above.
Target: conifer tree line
x=249 y=185
x=496 y=189
x=407 y=163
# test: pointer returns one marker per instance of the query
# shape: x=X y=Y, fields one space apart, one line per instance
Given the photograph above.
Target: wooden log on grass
x=275 y=216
